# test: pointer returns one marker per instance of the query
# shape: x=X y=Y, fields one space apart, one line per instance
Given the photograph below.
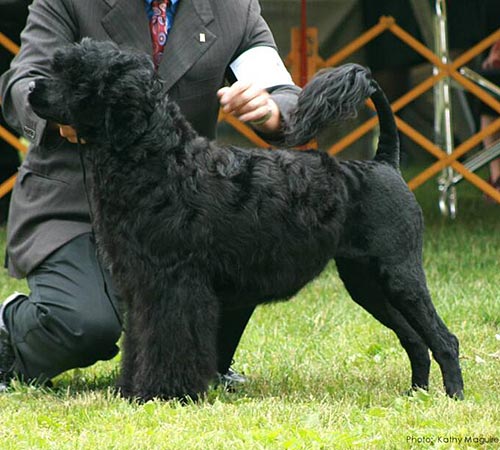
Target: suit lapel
x=127 y=24
x=188 y=39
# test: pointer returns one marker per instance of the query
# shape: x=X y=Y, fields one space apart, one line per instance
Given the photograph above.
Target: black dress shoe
x=6 y=359
x=230 y=380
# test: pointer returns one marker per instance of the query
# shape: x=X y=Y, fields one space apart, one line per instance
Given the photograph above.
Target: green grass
x=324 y=374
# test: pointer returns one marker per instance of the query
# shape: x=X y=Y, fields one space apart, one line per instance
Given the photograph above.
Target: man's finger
x=69 y=133
x=237 y=95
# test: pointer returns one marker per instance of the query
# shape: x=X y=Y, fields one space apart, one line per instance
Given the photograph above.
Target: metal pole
x=443 y=122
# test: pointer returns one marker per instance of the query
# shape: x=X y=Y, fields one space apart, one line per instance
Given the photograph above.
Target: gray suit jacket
x=49 y=206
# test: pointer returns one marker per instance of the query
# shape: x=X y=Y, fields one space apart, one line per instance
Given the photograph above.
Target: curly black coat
x=187 y=226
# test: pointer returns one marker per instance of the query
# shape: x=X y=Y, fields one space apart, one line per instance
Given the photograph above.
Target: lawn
x=324 y=374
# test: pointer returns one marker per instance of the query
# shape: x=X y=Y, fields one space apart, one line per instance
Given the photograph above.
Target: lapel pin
x=202 y=37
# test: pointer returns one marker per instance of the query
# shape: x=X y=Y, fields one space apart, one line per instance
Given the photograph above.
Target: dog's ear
x=127 y=88
x=124 y=126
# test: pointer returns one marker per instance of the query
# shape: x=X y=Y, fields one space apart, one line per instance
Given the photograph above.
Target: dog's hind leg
x=406 y=288
x=360 y=279
x=175 y=333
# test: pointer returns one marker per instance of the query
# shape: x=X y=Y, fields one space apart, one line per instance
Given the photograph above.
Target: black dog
x=187 y=227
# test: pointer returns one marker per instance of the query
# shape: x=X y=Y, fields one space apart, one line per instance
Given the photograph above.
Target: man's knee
x=93 y=338
x=60 y=342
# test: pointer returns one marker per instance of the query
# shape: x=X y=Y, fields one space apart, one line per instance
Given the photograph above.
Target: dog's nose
x=31 y=86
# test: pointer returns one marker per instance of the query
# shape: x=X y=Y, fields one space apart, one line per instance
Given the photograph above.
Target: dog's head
x=106 y=94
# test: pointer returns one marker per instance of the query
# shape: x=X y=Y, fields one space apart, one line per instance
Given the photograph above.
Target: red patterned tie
x=158 y=25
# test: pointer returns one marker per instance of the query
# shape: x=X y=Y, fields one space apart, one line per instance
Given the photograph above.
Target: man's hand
x=252 y=104
x=69 y=133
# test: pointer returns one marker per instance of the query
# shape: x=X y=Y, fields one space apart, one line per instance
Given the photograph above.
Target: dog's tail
x=335 y=94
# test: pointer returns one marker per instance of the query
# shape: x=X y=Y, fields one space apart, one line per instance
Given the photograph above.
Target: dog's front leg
x=125 y=383
x=175 y=332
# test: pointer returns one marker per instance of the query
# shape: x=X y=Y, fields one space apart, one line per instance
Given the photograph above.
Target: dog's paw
x=143 y=396
x=455 y=392
x=126 y=392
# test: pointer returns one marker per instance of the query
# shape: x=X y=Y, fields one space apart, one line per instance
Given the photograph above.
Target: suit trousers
x=72 y=317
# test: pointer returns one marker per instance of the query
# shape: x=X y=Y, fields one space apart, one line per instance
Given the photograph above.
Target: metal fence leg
x=443 y=112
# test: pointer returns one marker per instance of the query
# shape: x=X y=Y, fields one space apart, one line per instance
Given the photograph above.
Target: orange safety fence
x=8 y=44
x=443 y=70
x=315 y=62
x=7 y=185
